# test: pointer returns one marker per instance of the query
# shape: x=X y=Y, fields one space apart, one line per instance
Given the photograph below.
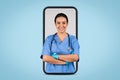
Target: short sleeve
x=46 y=46
x=75 y=45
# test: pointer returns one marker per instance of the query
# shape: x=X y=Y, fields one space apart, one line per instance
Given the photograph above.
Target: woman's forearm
x=51 y=60
x=69 y=57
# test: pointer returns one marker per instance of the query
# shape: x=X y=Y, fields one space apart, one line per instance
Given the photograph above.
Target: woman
x=61 y=49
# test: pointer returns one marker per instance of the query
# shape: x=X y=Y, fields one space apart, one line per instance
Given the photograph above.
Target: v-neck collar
x=58 y=40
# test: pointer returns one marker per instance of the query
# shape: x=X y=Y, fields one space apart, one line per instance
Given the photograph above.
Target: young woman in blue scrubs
x=60 y=50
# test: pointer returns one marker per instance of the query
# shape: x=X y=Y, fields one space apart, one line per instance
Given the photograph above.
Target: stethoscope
x=69 y=48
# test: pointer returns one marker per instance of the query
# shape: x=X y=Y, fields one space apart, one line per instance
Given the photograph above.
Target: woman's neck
x=61 y=34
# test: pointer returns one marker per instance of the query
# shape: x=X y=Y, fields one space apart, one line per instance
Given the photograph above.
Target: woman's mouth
x=61 y=29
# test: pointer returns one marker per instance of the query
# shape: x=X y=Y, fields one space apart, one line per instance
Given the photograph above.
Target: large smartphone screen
x=49 y=28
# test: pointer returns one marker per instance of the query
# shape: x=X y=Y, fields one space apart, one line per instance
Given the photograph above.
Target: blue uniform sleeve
x=75 y=45
x=46 y=46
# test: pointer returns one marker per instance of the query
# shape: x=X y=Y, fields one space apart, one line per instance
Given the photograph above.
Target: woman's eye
x=58 y=22
x=63 y=22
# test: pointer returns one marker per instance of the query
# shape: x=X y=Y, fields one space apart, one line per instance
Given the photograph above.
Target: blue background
x=21 y=31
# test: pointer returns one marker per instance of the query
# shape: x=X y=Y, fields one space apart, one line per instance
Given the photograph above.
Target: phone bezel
x=44 y=35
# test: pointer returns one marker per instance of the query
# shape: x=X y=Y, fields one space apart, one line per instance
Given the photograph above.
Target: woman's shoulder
x=49 y=37
x=72 y=36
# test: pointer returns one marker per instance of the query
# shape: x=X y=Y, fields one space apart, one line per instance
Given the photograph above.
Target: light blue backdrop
x=21 y=39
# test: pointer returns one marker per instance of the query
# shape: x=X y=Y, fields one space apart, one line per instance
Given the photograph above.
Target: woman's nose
x=61 y=25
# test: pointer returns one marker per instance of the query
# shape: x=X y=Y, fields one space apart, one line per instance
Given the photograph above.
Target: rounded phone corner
x=72 y=73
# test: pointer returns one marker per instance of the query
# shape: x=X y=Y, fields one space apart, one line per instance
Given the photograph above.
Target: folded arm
x=69 y=57
x=51 y=60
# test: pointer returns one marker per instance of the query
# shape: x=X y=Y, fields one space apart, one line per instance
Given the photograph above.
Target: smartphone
x=49 y=14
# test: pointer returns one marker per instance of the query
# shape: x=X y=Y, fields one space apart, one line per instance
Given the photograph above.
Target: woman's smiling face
x=61 y=24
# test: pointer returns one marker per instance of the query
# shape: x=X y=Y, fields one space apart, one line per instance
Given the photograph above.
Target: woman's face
x=61 y=24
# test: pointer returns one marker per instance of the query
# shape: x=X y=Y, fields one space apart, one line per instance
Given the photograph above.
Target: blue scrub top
x=60 y=47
